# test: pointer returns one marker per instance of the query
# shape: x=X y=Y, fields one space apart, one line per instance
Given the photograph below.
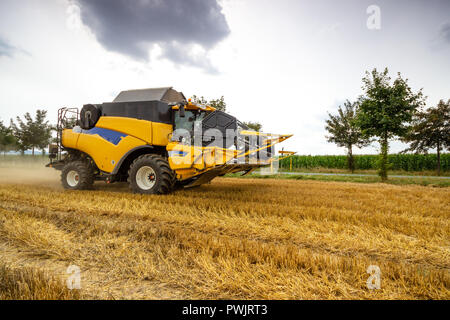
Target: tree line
x=385 y=111
x=389 y=110
x=26 y=134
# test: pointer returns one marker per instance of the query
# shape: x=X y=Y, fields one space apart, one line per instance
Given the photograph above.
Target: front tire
x=77 y=175
x=151 y=174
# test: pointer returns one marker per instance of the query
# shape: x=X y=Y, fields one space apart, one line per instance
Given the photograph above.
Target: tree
x=344 y=132
x=7 y=141
x=253 y=125
x=430 y=130
x=42 y=131
x=22 y=133
x=32 y=134
x=219 y=104
x=386 y=110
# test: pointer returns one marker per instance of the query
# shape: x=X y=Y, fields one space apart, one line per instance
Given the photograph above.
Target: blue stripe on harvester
x=109 y=135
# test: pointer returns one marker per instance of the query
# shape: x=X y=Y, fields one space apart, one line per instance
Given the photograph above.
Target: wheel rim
x=73 y=178
x=146 y=178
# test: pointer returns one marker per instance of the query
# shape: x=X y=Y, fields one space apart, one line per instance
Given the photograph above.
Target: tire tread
x=167 y=176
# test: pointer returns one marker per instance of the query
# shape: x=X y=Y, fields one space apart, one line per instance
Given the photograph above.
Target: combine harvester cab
x=155 y=140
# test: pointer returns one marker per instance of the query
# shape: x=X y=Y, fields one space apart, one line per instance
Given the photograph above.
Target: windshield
x=188 y=121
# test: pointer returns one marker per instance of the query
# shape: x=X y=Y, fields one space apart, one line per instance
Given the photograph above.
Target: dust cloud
x=35 y=176
x=32 y=171
x=28 y=170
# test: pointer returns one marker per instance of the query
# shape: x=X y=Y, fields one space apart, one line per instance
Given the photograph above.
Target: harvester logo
x=109 y=135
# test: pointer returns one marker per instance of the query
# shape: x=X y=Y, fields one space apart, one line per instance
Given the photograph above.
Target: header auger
x=156 y=141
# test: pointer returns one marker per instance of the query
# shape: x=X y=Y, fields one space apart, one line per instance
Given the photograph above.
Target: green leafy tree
x=22 y=133
x=344 y=132
x=32 y=134
x=42 y=130
x=219 y=104
x=7 y=141
x=199 y=100
x=430 y=130
x=254 y=125
x=385 y=111
x=3 y=133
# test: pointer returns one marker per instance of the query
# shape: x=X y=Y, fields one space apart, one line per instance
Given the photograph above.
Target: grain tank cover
x=145 y=104
x=166 y=94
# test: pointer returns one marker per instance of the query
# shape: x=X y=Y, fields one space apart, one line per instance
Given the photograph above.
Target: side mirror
x=182 y=114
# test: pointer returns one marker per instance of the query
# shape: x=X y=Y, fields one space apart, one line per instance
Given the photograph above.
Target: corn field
x=406 y=162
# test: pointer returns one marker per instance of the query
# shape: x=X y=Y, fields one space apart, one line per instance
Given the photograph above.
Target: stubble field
x=231 y=239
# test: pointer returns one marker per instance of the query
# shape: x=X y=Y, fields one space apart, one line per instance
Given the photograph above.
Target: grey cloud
x=131 y=27
x=6 y=49
x=445 y=32
x=9 y=50
x=180 y=54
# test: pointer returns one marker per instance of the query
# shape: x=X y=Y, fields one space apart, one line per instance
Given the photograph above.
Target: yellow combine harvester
x=155 y=140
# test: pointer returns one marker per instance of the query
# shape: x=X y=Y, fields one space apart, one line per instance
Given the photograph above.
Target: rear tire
x=77 y=175
x=151 y=174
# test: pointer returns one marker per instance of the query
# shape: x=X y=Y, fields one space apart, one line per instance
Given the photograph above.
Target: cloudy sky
x=283 y=63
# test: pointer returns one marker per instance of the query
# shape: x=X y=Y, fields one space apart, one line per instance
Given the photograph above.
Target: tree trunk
x=350 y=160
x=438 y=158
x=32 y=151
x=383 y=166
